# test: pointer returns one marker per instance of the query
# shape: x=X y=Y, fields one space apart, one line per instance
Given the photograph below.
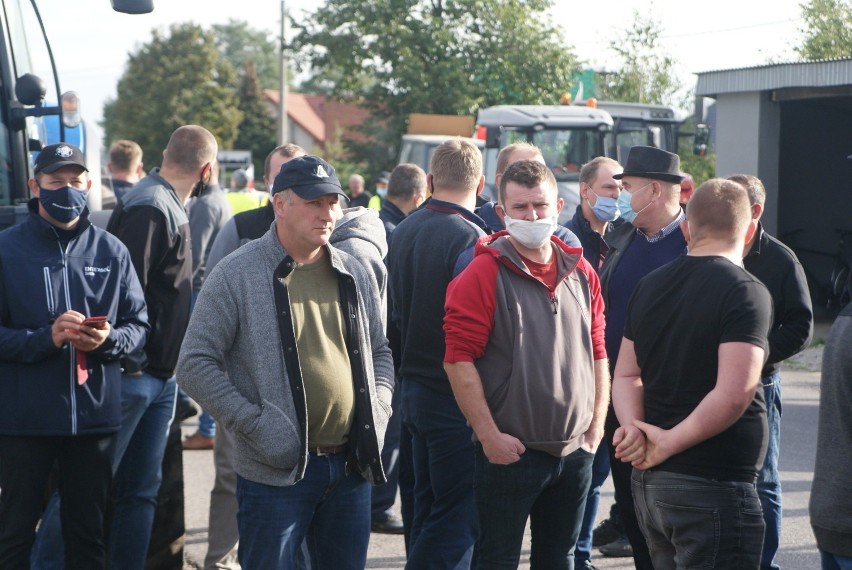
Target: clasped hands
x=641 y=444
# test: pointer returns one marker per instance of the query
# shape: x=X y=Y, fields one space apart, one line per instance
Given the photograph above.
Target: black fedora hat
x=652 y=162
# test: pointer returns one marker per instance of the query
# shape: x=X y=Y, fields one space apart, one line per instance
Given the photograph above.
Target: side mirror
x=492 y=137
x=702 y=138
x=133 y=6
x=30 y=89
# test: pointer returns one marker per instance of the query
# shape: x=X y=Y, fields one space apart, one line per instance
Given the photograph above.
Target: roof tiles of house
x=324 y=119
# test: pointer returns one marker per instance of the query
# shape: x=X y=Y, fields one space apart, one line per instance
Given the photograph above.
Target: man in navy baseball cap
x=326 y=388
x=56 y=156
x=309 y=177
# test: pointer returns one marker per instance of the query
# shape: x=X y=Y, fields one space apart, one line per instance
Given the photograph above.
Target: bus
x=33 y=115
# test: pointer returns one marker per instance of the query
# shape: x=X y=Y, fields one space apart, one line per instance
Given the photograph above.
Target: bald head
x=190 y=148
x=286 y=151
x=719 y=209
x=512 y=153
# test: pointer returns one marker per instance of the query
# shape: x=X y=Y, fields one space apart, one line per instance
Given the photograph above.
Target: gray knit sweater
x=232 y=361
x=831 y=495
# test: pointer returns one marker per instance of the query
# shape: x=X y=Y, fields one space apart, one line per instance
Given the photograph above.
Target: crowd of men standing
x=463 y=352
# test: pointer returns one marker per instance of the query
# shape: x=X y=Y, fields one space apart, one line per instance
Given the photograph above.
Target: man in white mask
x=525 y=356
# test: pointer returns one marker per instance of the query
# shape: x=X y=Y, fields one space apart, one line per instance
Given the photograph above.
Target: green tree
x=396 y=57
x=827 y=31
x=177 y=78
x=239 y=43
x=646 y=73
x=257 y=131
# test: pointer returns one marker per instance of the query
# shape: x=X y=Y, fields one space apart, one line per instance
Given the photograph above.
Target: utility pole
x=282 y=88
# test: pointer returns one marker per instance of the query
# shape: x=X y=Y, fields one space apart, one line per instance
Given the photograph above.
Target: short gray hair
x=406 y=181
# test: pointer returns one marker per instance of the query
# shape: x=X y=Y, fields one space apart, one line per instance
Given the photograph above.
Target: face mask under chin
x=198 y=188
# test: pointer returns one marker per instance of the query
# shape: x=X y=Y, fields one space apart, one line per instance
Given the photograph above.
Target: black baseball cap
x=308 y=176
x=56 y=156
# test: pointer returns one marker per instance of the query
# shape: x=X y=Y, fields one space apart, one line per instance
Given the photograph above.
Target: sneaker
x=585 y=565
x=197 y=441
x=608 y=531
x=390 y=524
x=620 y=548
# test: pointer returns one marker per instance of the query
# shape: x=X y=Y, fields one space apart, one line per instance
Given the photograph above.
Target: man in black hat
x=650 y=201
x=70 y=308
x=284 y=348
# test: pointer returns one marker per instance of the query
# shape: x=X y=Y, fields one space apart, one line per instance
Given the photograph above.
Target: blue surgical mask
x=63 y=204
x=623 y=203
x=382 y=192
x=606 y=209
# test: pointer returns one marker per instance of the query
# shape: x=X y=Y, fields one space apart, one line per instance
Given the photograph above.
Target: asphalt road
x=800 y=382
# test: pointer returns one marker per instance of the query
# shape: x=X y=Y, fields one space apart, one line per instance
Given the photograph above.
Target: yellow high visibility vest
x=241 y=200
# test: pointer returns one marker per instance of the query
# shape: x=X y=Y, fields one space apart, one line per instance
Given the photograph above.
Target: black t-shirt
x=677 y=318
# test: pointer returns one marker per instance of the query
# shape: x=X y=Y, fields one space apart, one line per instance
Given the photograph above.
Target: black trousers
x=621 y=473
x=84 y=478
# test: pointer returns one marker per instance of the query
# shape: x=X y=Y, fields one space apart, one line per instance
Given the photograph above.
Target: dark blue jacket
x=590 y=240
x=424 y=256
x=391 y=216
x=40 y=278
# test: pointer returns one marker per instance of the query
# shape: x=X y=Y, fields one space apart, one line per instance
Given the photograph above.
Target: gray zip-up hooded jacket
x=239 y=361
x=361 y=234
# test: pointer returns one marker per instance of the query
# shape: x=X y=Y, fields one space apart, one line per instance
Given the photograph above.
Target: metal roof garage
x=790 y=124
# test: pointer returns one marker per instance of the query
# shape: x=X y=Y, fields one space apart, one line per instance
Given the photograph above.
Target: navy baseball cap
x=309 y=177
x=56 y=156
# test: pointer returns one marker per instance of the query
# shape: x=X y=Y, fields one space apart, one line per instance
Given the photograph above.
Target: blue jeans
x=444 y=526
x=147 y=410
x=329 y=509
x=383 y=496
x=600 y=471
x=835 y=561
x=692 y=522
x=768 y=479
x=206 y=425
x=549 y=491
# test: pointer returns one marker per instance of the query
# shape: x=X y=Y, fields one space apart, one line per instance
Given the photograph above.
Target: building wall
x=747 y=135
x=300 y=136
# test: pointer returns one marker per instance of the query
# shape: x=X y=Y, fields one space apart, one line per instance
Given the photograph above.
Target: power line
x=738 y=28
x=705 y=33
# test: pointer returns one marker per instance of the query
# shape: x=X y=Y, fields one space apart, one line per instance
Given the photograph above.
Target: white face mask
x=531 y=235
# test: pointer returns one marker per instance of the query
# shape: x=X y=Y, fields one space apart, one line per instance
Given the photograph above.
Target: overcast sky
x=91 y=42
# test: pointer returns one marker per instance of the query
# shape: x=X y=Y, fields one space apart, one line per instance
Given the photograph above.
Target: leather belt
x=329 y=450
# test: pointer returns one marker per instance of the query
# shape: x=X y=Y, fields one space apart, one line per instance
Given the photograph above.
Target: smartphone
x=95 y=322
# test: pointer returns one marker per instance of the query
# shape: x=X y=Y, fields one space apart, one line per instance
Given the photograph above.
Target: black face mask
x=199 y=187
